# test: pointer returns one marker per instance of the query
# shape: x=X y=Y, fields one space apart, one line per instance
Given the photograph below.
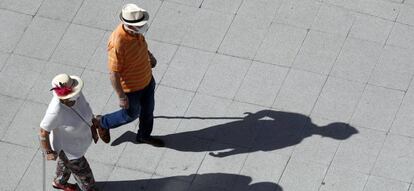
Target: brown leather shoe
x=151 y=141
x=102 y=132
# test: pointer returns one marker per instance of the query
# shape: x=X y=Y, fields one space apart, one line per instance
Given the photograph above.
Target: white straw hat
x=133 y=15
x=65 y=86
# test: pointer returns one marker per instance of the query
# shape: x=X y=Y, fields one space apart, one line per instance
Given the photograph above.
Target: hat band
x=134 y=21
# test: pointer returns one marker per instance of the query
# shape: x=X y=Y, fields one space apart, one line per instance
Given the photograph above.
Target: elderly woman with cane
x=66 y=132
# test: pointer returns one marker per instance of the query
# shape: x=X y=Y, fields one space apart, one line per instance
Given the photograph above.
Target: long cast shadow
x=199 y=182
x=265 y=130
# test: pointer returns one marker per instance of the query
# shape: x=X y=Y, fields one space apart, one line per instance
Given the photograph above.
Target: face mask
x=135 y=30
x=75 y=97
x=143 y=29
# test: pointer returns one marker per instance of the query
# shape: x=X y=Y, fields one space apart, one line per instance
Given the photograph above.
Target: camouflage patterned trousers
x=80 y=170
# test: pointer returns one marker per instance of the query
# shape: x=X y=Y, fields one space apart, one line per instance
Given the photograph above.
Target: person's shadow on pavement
x=199 y=182
x=265 y=130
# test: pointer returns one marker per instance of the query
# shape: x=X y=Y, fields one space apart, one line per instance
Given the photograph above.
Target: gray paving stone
x=402 y=36
x=383 y=184
x=343 y=179
x=281 y=45
x=126 y=179
x=320 y=147
x=264 y=167
x=240 y=111
x=402 y=124
x=299 y=91
x=301 y=175
x=394 y=69
x=237 y=127
x=409 y=2
x=97 y=89
x=397 y=1
x=384 y=9
x=159 y=72
x=24 y=129
x=318 y=52
x=165 y=184
x=406 y=14
x=377 y=108
x=101 y=171
x=150 y=6
x=164 y=53
x=165 y=29
x=231 y=165
x=227 y=6
x=60 y=9
x=182 y=162
x=371 y=28
x=350 y=4
x=192 y=3
x=20 y=73
x=41 y=38
x=263 y=9
x=215 y=140
x=244 y=37
x=238 y=133
x=360 y=151
x=187 y=68
x=33 y=178
x=357 y=60
x=261 y=84
x=299 y=13
x=170 y=106
x=6 y=116
x=277 y=131
x=24 y=6
x=204 y=114
x=103 y=14
x=99 y=60
x=110 y=153
x=396 y=159
x=15 y=160
x=3 y=59
x=77 y=45
x=16 y=24
x=141 y=157
x=208 y=30
x=41 y=90
x=224 y=76
x=338 y=99
x=333 y=20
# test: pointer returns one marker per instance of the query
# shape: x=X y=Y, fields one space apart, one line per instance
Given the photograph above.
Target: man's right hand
x=51 y=156
x=123 y=102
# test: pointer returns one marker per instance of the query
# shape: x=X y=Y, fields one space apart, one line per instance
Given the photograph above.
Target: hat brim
x=75 y=90
x=138 y=24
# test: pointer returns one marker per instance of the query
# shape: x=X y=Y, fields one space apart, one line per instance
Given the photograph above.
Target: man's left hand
x=153 y=60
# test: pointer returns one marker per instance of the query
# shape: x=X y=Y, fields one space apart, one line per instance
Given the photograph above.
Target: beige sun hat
x=65 y=86
x=133 y=15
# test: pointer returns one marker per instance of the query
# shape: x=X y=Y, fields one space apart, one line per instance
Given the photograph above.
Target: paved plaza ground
x=259 y=95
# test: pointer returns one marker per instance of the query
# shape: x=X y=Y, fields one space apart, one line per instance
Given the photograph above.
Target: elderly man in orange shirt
x=130 y=64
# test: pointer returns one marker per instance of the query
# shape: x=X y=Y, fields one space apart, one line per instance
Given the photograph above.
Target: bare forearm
x=44 y=140
x=116 y=84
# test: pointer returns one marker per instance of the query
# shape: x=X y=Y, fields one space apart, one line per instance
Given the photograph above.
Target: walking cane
x=43 y=167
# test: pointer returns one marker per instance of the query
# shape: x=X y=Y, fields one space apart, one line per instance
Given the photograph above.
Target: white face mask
x=75 y=97
x=137 y=30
